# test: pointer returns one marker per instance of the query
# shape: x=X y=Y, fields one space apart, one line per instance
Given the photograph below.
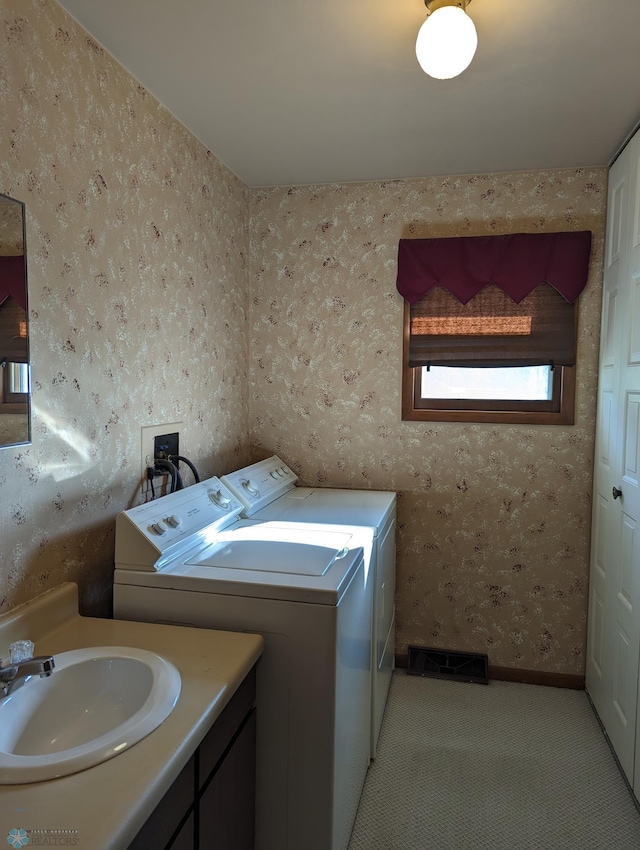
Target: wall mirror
x=15 y=379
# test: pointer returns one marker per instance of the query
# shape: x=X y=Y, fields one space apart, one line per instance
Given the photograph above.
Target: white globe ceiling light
x=447 y=40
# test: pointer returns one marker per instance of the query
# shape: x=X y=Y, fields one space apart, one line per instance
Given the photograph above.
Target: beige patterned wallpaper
x=137 y=242
x=494 y=520
x=145 y=307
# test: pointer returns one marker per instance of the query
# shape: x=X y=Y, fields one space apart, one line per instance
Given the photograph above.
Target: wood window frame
x=559 y=411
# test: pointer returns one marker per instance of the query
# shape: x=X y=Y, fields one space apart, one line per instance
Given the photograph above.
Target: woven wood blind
x=491 y=329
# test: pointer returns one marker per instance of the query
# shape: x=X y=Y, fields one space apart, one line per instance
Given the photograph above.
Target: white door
x=613 y=648
x=631 y=473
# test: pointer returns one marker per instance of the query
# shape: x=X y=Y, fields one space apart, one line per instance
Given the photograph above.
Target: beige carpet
x=492 y=767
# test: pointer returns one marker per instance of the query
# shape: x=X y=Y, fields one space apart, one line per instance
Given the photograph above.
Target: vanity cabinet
x=212 y=802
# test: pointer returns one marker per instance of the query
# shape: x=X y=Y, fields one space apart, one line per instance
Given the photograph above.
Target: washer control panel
x=260 y=484
x=148 y=535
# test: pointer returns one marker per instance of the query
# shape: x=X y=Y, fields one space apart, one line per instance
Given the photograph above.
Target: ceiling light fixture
x=447 y=40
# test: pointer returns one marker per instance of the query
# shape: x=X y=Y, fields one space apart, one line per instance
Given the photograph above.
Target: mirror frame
x=21 y=405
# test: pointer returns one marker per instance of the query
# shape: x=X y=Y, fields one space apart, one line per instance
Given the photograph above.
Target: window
x=490 y=326
x=490 y=360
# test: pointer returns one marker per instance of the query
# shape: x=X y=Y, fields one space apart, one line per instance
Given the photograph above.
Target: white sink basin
x=98 y=702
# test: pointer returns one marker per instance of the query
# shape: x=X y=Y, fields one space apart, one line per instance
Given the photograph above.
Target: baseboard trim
x=516 y=674
x=537 y=677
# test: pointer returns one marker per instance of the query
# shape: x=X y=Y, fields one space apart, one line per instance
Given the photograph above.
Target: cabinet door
x=613 y=649
x=185 y=839
x=227 y=805
x=172 y=809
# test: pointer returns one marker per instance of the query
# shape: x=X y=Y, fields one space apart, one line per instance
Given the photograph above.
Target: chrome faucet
x=14 y=675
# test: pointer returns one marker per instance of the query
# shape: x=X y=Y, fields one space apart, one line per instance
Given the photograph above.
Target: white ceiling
x=289 y=92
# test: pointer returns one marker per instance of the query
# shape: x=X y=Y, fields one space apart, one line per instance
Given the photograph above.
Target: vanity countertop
x=105 y=806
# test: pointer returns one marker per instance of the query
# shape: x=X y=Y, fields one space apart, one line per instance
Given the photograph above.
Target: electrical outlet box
x=166 y=446
x=148 y=446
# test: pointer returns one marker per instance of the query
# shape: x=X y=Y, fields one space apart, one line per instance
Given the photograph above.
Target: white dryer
x=187 y=559
x=268 y=491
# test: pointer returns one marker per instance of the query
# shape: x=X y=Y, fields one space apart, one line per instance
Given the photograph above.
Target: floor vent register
x=448 y=664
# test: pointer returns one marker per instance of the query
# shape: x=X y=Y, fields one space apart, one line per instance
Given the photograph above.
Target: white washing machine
x=186 y=559
x=268 y=491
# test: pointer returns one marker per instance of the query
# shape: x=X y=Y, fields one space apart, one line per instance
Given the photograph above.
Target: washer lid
x=263 y=548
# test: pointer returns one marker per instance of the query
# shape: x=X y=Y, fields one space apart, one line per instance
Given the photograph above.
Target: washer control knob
x=173 y=521
x=218 y=498
x=157 y=528
x=249 y=487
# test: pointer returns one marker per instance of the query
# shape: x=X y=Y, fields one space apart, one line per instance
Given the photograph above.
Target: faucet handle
x=20 y=650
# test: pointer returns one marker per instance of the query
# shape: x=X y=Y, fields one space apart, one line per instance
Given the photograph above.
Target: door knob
x=616 y=493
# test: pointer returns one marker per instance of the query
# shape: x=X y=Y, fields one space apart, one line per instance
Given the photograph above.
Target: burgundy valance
x=516 y=262
x=12 y=280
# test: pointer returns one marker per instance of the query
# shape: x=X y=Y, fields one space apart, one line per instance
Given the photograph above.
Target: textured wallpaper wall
x=143 y=310
x=137 y=243
x=494 y=520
